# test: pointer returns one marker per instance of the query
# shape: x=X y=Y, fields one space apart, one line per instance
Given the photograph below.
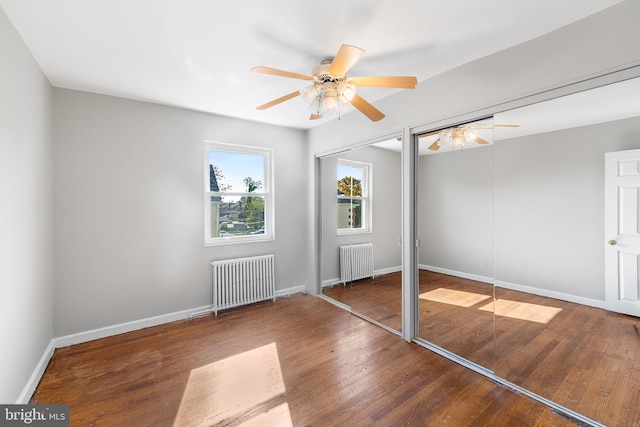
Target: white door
x=622 y=231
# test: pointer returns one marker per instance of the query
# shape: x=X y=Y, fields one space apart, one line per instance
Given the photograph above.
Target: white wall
x=549 y=207
x=386 y=210
x=455 y=211
x=129 y=222
x=26 y=301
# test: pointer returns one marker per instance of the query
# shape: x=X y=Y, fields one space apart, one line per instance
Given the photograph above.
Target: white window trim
x=368 y=199
x=267 y=192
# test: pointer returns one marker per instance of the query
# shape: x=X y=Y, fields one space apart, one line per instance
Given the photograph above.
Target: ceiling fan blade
x=367 y=109
x=424 y=135
x=345 y=58
x=281 y=73
x=278 y=101
x=488 y=127
x=434 y=146
x=315 y=116
x=402 y=82
x=480 y=140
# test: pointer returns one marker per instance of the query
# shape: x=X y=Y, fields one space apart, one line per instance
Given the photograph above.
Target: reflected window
x=354 y=197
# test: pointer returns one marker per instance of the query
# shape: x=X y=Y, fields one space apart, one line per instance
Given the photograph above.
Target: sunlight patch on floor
x=275 y=417
x=523 y=310
x=450 y=296
x=230 y=387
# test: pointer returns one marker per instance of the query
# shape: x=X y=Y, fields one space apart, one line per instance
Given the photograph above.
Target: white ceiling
x=197 y=54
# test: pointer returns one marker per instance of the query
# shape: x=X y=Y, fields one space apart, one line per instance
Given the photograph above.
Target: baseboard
x=455 y=273
x=331 y=282
x=516 y=287
x=551 y=294
x=34 y=379
x=381 y=272
x=389 y=270
x=290 y=291
x=122 y=328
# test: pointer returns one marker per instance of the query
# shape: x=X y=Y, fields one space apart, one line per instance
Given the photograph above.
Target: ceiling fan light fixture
x=330 y=103
x=332 y=91
x=470 y=134
x=309 y=93
x=445 y=136
x=457 y=142
x=346 y=91
x=456 y=136
x=330 y=97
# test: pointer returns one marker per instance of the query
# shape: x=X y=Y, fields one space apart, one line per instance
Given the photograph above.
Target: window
x=354 y=197
x=238 y=194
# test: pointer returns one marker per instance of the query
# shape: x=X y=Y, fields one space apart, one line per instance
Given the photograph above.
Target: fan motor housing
x=321 y=72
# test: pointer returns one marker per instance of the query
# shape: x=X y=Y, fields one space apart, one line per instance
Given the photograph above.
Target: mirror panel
x=526 y=213
x=455 y=226
x=362 y=206
x=553 y=333
x=331 y=242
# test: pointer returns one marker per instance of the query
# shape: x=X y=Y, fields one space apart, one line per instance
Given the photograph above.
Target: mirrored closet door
x=559 y=332
x=547 y=208
x=361 y=228
x=455 y=230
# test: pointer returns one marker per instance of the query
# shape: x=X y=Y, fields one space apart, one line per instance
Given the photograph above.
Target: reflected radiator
x=356 y=262
x=242 y=281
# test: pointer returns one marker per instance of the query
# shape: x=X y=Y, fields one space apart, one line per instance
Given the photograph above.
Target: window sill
x=346 y=232
x=221 y=241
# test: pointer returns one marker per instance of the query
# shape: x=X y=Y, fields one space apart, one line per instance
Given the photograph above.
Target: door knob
x=612 y=242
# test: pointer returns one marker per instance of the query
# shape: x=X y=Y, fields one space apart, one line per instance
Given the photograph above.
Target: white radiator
x=356 y=262
x=242 y=281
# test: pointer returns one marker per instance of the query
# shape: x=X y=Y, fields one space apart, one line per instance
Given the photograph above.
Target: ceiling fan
x=459 y=135
x=332 y=89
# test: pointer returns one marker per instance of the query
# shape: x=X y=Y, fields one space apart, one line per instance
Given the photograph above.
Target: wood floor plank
x=582 y=357
x=337 y=370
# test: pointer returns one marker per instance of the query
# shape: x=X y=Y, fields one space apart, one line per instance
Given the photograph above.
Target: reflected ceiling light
x=458 y=136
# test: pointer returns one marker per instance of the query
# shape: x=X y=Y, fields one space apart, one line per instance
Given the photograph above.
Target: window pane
x=350 y=213
x=237 y=216
x=350 y=180
x=237 y=172
x=214 y=214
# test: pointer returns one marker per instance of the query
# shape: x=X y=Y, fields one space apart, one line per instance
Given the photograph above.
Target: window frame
x=366 y=198
x=267 y=192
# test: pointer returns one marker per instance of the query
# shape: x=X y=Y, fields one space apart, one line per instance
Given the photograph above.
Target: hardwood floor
x=584 y=358
x=379 y=298
x=449 y=316
x=298 y=361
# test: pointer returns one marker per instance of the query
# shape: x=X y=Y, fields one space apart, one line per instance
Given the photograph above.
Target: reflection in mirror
x=361 y=223
x=557 y=333
x=455 y=229
x=330 y=272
